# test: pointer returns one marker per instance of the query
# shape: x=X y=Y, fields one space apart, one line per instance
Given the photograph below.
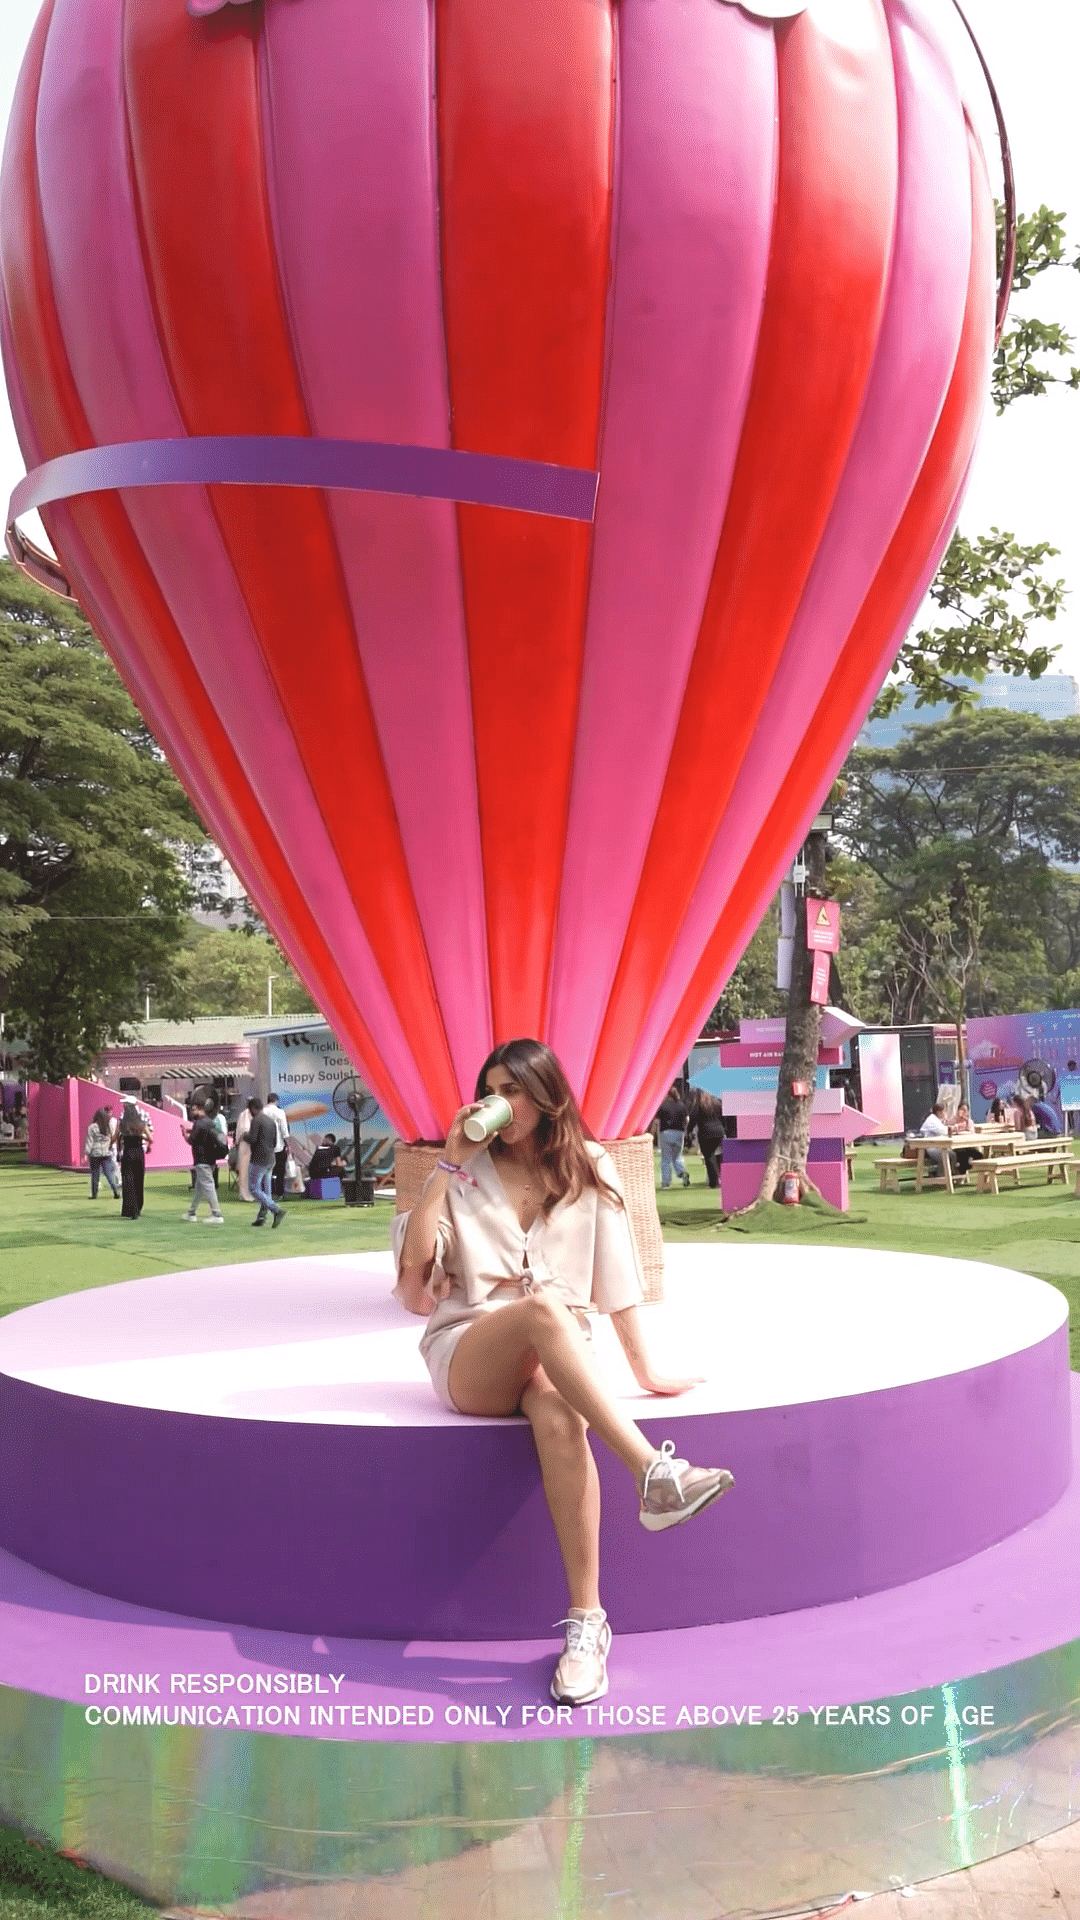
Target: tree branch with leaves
x=93 y=897
x=994 y=590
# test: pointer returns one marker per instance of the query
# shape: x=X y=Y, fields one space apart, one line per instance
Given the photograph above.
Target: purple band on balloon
x=250 y=460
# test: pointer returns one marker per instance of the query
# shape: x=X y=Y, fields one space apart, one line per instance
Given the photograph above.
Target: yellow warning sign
x=823 y=926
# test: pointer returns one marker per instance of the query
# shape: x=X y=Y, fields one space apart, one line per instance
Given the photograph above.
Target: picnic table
x=1055 y=1154
x=1004 y=1152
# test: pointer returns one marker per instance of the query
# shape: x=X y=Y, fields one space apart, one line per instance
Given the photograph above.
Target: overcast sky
x=1027 y=477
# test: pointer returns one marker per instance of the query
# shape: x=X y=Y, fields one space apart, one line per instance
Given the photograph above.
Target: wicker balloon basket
x=634 y=1165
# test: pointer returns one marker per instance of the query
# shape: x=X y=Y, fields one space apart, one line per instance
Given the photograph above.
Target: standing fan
x=1037 y=1081
x=352 y=1101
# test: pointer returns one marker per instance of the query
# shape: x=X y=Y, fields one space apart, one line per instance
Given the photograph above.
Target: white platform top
x=320 y=1340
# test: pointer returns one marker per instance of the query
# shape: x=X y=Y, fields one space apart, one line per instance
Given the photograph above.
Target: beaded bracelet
x=449 y=1166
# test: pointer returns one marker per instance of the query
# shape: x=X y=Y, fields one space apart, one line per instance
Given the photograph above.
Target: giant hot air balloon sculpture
x=512 y=439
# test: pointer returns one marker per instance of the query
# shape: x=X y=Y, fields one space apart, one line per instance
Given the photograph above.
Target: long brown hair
x=566 y=1165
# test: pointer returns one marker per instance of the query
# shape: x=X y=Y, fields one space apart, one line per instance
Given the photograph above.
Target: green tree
x=1027 y=358
x=957 y=842
x=752 y=992
x=225 y=970
x=93 y=899
x=993 y=590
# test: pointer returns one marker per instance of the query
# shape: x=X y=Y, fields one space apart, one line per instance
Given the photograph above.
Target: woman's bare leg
x=571 y=1485
x=498 y=1355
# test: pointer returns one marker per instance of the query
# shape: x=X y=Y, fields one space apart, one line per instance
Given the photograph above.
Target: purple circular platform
x=260 y=1444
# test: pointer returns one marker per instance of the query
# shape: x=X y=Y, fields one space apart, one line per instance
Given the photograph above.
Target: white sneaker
x=581 y=1674
x=673 y=1490
x=215 y=1220
x=189 y=1217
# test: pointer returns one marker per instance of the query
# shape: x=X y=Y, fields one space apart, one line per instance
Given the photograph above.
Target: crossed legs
x=531 y=1355
x=571 y=1486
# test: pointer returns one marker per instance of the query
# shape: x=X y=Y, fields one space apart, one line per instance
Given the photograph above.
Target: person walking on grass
x=505 y=1253
x=221 y=1127
x=671 y=1122
x=263 y=1139
x=276 y=1112
x=243 y=1154
x=207 y=1148
x=98 y=1150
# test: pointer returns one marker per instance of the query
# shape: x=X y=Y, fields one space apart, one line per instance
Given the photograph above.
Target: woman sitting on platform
x=507 y=1248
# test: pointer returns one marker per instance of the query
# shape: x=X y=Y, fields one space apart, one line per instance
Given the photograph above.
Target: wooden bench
x=989 y=1172
x=889 y=1171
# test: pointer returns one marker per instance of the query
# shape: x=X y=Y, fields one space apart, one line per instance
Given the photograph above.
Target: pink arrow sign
x=762 y=1032
x=826 y=1100
x=738 y=1054
x=838 y=1027
x=848 y=1124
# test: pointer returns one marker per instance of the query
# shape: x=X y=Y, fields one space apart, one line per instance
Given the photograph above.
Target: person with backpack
x=207 y=1148
x=221 y=1127
x=98 y=1151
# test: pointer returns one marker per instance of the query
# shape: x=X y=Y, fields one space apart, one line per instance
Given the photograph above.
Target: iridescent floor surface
x=961 y=1739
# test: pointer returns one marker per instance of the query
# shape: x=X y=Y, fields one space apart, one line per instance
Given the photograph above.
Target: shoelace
x=583 y=1635
x=668 y=1466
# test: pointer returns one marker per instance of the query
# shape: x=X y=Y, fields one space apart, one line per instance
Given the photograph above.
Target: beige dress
x=243 y=1155
x=583 y=1250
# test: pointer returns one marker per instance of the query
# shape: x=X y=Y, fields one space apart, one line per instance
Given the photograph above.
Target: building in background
x=220 y=897
x=167 y=1059
x=1056 y=696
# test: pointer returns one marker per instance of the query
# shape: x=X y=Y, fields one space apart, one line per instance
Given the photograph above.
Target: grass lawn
x=1034 y=1228
x=53 y=1240
x=37 y=1884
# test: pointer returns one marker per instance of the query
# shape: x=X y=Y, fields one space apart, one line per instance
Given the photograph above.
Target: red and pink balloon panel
x=513 y=440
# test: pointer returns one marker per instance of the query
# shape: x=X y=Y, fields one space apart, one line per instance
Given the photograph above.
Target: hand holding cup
x=459 y=1146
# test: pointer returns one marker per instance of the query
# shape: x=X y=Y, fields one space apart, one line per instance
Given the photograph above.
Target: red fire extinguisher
x=789 y=1190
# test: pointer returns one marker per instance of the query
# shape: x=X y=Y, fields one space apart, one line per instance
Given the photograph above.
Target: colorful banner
x=724 y=1081
x=306 y=1068
x=1033 y=1055
x=881 y=1080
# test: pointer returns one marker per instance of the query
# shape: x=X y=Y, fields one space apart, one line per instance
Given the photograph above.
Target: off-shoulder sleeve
x=438 y=1285
x=618 y=1280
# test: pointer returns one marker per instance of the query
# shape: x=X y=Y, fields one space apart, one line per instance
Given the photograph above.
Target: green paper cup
x=492 y=1114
